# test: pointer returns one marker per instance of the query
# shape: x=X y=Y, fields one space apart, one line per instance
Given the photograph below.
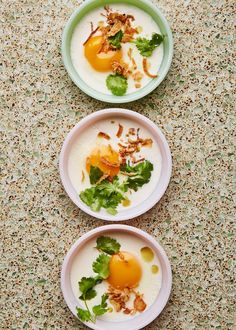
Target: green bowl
x=146 y=6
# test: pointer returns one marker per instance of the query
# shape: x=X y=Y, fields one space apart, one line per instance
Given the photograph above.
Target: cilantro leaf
x=142 y=174
x=87 y=196
x=147 y=46
x=83 y=315
x=116 y=39
x=90 y=294
x=108 y=245
x=106 y=194
x=117 y=84
x=101 y=266
x=102 y=308
x=95 y=174
x=90 y=197
x=86 y=285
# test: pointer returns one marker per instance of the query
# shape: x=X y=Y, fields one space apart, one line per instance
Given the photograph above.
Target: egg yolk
x=125 y=271
x=106 y=159
x=100 y=61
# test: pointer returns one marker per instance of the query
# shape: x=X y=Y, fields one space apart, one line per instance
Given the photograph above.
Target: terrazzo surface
x=194 y=107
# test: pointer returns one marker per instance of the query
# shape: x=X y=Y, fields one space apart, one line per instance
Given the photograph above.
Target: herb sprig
x=105 y=194
x=101 y=266
x=147 y=46
x=87 y=284
x=108 y=245
x=86 y=315
x=117 y=84
x=115 y=40
x=109 y=195
x=141 y=174
x=95 y=174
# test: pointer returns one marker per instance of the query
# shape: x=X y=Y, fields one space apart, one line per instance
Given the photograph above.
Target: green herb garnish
x=147 y=46
x=101 y=266
x=95 y=174
x=117 y=84
x=109 y=195
x=116 y=39
x=86 y=315
x=102 y=308
x=108 y=245
x=141 y=174
x=86 y=286
x=105 y=194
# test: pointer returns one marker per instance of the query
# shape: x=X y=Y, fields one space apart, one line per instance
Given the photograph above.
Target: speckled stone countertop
x=194 y=219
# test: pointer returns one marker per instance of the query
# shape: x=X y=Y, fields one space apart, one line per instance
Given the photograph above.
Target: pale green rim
x=158 y=17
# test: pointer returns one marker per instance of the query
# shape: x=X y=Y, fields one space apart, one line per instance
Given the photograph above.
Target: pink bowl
x=139 y=321
x=161 y=185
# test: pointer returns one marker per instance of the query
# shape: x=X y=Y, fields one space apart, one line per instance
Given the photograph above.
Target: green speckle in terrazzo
x=194 y=107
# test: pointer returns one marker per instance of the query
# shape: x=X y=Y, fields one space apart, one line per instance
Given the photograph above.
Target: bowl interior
x=140 y=320
x=161 y=185
x=84 y=9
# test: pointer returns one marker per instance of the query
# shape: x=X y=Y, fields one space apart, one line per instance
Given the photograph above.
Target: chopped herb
x=84 y=315
x=87 y=196
x=101 y=266
x=90 y=294
x=147 y=46
x=102 y=308
x=142 y=174
x=108 y=245
x=116 y=39
x=86 y=286
x=105 y=194
x=117 y=84
x=95 y=174
x=109 y=195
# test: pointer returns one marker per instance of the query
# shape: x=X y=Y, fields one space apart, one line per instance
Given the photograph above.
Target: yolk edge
x=125 y=271
x=100 y=62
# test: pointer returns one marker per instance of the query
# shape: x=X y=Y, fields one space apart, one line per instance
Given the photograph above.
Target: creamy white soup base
x=97 y=80
x=88 y=140
x=149 y=285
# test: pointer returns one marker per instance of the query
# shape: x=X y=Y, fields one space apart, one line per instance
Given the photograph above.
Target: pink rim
x=161 y=186
x=139 y=321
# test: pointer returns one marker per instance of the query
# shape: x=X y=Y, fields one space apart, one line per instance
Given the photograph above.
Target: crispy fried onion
x=103 y=177
x=120 y=131
x=133 y=145
x=104 y=135
x=116 y=22
x=145 y=69
x=91 y=34
x=121 y=68
x=131 y=131
x=108 y=163
x=119 y=298
x=137 y=76
x=139 y=303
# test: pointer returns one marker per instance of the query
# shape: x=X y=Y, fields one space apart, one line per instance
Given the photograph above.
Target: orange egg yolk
x=100 y=61
x=106 y=159
x=125 y=271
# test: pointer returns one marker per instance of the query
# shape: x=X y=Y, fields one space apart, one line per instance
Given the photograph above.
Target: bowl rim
x=157 y=306
x=107 y=97
x=68 y=186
